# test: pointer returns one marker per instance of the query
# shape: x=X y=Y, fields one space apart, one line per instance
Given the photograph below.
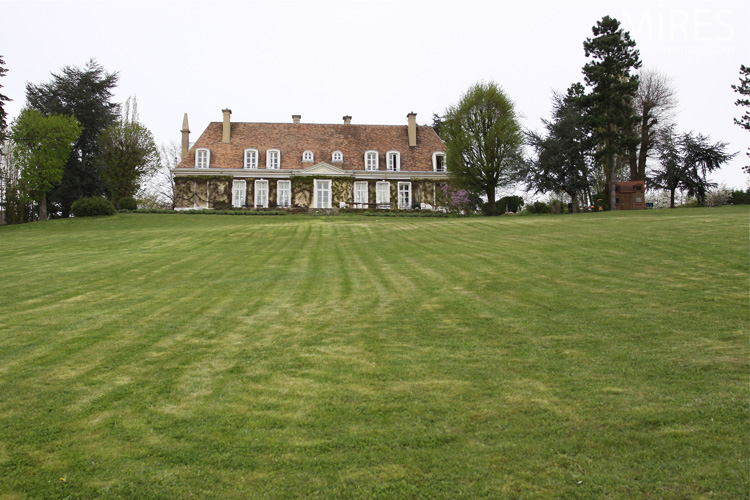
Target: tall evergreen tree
x=613 y=90
x=686 y=161
x=565 y=155
x=744 y=90
x=437 y=124
x=86 y=94
x=3 y=100
x=669 y=176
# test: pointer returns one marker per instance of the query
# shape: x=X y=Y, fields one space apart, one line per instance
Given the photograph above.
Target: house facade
x=313 y=166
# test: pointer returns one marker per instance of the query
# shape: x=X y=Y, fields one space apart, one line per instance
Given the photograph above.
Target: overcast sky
x=374 y=60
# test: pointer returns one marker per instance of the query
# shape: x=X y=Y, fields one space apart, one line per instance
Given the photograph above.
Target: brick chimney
x=227 y=126
x=412 y=129
x=296 y=118
x=347 y=120
x=185 y=136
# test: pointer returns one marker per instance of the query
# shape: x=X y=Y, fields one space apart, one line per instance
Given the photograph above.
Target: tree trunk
x=574 y=197
x=640 y=173
x=612 y=178
x=633 y=162
x=491 y=204
x=43 y=206
x=671 y=198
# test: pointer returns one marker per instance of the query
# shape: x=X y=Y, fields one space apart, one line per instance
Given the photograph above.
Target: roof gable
x=324 y=168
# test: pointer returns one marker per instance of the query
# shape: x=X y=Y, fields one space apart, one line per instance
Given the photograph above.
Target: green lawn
x=188 y=356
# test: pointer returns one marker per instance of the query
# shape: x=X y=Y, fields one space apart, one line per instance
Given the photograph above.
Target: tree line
x=71 y=141
x=602 y=130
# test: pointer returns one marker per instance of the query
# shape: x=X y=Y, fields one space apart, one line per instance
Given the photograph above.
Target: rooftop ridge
x=318 y=124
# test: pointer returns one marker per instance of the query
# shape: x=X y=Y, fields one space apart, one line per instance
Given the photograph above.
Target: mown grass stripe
x=157 y=356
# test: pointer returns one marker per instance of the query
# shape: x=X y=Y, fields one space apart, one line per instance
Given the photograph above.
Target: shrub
x=457 y=201
x=93 y=206
x=128 y=203
x=718 y=196
x=539 y=207
x=740 y=198
x=509 y=204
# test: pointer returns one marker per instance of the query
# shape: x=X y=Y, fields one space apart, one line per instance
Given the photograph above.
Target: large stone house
x=315 y=166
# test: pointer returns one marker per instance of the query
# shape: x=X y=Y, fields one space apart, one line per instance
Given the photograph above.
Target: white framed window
x=393 y=161
x=251 y=158
x=337 y=157
x=360 y=194
x=308 y=156
x=438 y=161
x=404 y=195
x=284 y=194
x=202 y=158
x=322 y=193
x=261 y=194
x=239 y=188
x=383 y=194
x=371 y=160
x=273 y=159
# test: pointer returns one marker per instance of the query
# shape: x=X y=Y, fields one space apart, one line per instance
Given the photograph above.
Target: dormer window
x=371 y=160
x=438 y=161
x=251 y=158
x=337 y=157
x=308 y=156
x=202 y=158
x=393 y=160
x=273 y=159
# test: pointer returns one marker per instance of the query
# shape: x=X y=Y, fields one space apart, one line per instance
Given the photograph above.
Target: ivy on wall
x=341 y=189
x=429 y=191
x=190 y=191
x=220 y=191
x=184 y=193
x=302 y=188
x=196 y=190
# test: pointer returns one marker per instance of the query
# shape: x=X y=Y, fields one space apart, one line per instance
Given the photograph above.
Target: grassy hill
x=578 y=356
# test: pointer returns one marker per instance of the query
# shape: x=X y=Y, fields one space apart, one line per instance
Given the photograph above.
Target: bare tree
x=655 y=101
x=159 y=189
x=13 y=209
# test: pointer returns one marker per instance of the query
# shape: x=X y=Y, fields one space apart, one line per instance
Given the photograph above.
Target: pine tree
x=565 y=155
x=3 y=100
x=613 y=90
x=744 y=90
x=685 y=162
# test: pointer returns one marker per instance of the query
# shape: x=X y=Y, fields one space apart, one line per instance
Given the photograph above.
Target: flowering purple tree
x=456 y=200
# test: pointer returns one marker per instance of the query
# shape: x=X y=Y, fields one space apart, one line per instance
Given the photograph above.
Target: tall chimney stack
x=185 y=136
x=296 y=118
x=347 y=120
x=412 y=129
x=227 y=126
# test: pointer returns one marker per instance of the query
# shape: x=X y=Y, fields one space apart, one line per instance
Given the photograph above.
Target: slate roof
x=292 y=139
